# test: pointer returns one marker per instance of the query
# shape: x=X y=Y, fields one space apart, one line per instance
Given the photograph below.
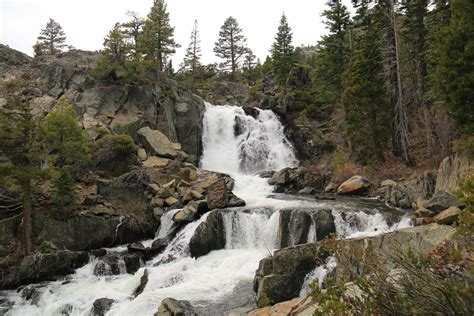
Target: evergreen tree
x=66 y=142
x=20 y=143
x=51 y=40
x=455 y=70
x=116 y=49
x=191 y=61
x=367 y=112
x=156 y=41
x=231 y=46
x=131 y=31
x=283 y=51
x=332 y=55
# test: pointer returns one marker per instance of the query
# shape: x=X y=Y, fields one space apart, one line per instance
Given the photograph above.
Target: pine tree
x=332 y=55
x=20 y=143
x=156 y=42
x=283 y=51
x=131 y=31
x=67 y=143
x=455 y=71
x=191 y=61
x=116 y=49
x=51 y=40
x=231 y=46
x=367 y=112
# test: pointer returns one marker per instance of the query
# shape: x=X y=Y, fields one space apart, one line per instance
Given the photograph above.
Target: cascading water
x=233 y=143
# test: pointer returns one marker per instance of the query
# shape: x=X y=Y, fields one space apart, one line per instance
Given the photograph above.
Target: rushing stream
x=233 y=143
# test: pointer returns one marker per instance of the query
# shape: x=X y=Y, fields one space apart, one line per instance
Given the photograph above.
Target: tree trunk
x=26 y=220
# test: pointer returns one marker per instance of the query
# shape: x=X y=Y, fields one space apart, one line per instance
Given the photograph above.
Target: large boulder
x=208 y=236
x=293 y=180
x=448 y=216
x=48 y=266
x=354 y=185
x=217 y=195
x=297 y=226
x=281 y=277
x=406 y=193
x=157 y=143
x=171 y=307
x=192 y=210
x=442 y=200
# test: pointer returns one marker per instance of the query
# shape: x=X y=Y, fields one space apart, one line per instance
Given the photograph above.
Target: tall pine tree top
x=193 y=53
x=231 y=45
x=157 y=41
x=283 y=51
x=51 y=40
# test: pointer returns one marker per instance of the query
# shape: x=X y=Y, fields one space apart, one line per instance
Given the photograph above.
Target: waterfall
x=234 y=142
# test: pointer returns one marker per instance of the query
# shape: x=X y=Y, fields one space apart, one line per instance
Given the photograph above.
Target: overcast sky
x=87 y=22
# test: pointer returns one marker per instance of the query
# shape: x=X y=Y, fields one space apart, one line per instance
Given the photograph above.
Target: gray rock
x=157 y=143
x=209 y=235
x=307 y=191
x=171 y=307
x=288 y=267
x=101 y=306
x=115 y=264
x=442 y=200
x=143 y=283
x=45 y=267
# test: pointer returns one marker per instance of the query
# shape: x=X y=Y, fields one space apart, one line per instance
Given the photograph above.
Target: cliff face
x=119 y=105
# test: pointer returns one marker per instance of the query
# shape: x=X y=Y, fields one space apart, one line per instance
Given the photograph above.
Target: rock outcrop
x=101 y=306
x=451 y=171
x=293 y=180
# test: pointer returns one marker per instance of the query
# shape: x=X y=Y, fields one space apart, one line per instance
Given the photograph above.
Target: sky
x=87 y=22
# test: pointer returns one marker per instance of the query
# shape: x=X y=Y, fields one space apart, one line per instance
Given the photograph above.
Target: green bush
x=122 y=144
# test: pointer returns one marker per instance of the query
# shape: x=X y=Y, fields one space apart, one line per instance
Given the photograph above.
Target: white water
x=319 y=273
x=250 y=235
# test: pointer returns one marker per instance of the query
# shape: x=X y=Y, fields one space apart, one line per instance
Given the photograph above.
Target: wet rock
x=143 y=283
x=171 y=307
x=45 y=267
x=98 y=252
x=209 y=235
x=191 y=211
x=251 y=111
x=280 y=177
x=157 y=143
x=288 y=270
x=217 y=196
x=101 y=306
x=115 y=264
x=31 y=293
x=295 y=226
x=158 y=246
x=442 y=200
x=266 y=174
x=448 y=216
x=66 y=310
x=354 y=185
x=307 y=191
x=235 y=201
x=292 y=180
x=136 y=247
